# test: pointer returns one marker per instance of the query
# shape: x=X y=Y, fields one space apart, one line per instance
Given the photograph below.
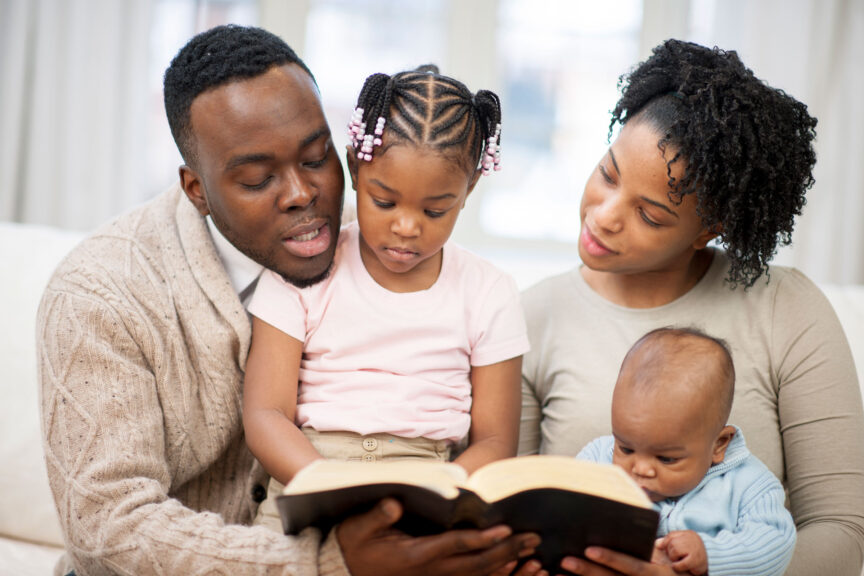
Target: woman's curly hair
x=747 y=147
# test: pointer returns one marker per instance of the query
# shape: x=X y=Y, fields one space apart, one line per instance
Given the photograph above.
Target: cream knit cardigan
x=142 y=346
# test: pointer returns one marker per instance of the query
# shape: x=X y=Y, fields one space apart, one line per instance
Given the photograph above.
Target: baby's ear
x=351 y=161
x=722 y=443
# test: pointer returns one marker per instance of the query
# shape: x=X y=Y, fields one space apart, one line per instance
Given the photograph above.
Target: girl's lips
x=308 y=243
x=592 y=245
x=400 y=254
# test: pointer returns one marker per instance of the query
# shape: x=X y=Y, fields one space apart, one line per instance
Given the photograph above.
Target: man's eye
x=316 y=163
x=259 y=186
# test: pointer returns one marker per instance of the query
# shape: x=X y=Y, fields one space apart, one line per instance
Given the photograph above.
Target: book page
x=506 y=477
x=321 y=475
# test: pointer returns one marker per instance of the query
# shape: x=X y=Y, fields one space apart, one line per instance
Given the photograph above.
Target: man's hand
x=604 y=562
x=372 y=547
x=685 y=550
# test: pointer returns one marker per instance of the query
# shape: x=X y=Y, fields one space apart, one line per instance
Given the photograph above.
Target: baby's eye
x=667 y=459
x=625 y=450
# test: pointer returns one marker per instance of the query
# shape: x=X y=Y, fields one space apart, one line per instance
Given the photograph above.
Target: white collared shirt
x=242 y=270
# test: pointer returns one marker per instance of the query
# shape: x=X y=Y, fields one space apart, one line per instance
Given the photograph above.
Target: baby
x=721 y=509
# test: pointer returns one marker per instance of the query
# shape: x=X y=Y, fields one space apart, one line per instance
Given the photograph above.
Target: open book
x=570 y=503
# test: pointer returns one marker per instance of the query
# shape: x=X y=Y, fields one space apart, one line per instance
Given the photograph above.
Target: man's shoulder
x=127 y=245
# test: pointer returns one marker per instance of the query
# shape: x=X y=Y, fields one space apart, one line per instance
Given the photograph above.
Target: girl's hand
x=604 y=562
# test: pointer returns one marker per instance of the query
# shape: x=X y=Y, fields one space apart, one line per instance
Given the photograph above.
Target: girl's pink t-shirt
x=376 y=361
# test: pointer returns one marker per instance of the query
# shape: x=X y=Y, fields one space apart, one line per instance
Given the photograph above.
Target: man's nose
x=296 y=193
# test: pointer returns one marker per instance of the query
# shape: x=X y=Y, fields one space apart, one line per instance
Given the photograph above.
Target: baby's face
x=666 y=449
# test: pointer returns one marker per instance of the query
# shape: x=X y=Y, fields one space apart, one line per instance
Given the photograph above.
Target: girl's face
x=629 y=224
x=408 y=199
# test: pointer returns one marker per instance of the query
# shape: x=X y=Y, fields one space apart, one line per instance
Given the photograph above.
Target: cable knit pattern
x=142 y=345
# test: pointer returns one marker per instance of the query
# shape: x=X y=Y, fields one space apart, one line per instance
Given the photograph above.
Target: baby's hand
x=684 y=550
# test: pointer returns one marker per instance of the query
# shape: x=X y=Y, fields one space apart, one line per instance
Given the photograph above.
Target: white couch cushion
x=28 y=256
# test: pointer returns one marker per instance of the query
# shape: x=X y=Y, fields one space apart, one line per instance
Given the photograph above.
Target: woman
x=706 y=152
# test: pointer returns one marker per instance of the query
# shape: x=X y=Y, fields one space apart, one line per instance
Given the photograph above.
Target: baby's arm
x=496 y=403
x=684 y=550
x=270 y=402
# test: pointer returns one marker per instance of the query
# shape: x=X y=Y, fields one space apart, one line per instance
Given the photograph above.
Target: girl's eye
x=435 y=214
x=259 y=186
x=382 y=203
x=648 y=219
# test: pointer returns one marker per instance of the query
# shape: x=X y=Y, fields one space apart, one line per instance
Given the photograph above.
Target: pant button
x=370 y=444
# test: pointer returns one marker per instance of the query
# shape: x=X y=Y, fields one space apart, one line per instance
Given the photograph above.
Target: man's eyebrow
x=323 y=131
x=247 y=159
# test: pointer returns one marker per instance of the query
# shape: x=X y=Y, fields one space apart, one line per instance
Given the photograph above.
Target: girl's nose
x=405 y=225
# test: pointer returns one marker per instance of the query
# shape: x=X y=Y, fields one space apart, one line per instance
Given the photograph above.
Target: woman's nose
x=608 y=214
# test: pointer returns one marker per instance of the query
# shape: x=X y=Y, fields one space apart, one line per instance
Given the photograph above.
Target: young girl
x=412 y=344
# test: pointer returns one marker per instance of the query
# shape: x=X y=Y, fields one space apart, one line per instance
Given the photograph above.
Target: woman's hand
x=604 y=562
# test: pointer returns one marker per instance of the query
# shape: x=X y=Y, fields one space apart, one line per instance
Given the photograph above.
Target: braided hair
x=747 y=148
x=214 y=58
x=432 y=111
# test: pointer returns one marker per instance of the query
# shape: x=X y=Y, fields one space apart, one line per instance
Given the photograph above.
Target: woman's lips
x=592 y=245
x=308 y=241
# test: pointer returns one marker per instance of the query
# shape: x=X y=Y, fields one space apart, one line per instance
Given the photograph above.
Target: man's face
x=267 y=172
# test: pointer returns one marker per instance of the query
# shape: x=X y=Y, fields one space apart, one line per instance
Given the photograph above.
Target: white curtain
x=72 y=98
x=814 y=50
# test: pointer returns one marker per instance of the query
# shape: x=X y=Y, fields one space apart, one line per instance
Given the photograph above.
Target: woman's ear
x=721 y=444
x=351 y=161
x=192 y=185
x=706 y=236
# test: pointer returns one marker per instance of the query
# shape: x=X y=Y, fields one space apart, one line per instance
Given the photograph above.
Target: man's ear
x=194 y=189
x=721 y=444
x=351 y=161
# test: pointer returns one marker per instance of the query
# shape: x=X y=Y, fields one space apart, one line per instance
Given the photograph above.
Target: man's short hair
x=211 y=59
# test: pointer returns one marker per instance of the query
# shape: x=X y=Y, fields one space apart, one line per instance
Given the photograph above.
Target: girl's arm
x=496 y=402
x=270 y=402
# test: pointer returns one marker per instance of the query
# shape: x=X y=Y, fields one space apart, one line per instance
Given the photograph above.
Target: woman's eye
x=648 y=219
x=605 y=174
x=259 y=186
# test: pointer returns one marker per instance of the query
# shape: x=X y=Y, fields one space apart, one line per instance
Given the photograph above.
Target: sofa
x=30 y=537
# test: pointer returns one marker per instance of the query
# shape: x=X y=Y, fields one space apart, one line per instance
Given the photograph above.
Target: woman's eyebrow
x=614 y=162
x=659 y=205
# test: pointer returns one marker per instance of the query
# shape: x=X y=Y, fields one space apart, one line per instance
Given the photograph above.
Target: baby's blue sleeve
x=764 y=539
x=598 y=450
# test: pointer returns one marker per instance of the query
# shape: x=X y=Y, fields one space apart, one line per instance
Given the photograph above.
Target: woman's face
x=629 y=224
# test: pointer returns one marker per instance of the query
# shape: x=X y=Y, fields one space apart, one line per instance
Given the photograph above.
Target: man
x=143 y=340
